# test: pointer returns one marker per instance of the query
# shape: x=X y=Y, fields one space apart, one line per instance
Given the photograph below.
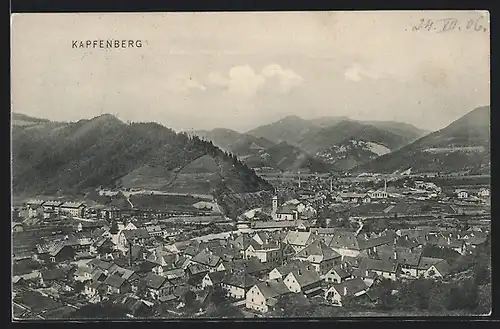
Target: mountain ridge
x=463 y=145
x=103 y=150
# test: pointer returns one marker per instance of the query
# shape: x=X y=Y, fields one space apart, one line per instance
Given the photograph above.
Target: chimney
x=395 y=255
x=345 y=290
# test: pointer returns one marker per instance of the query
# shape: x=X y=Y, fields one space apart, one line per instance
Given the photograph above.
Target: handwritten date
x=451 y=24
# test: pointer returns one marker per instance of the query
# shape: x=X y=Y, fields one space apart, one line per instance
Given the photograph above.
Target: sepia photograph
x=250 y=165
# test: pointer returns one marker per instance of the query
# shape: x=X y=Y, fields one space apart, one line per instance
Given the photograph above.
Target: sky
x=242 y=70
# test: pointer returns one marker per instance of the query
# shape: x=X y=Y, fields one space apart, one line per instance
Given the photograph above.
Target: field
x=167 y=202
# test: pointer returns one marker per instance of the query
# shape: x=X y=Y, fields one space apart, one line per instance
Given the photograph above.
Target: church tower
x=275 y=206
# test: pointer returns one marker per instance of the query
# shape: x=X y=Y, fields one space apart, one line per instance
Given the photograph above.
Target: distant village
x=327 y=244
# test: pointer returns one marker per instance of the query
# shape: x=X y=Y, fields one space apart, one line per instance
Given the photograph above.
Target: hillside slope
x=290 y=129
x=464 y=145
x=106 y=152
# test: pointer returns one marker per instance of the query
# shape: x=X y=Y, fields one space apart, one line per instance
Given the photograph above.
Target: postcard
x=250 y=165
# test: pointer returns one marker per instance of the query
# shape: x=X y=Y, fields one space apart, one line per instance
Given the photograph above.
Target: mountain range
x=50 y=157
x=463 y=145
x=322 y=144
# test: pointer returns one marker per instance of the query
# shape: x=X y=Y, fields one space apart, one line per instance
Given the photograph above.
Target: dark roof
x=114 y=281
x=55 y=274
x=217 y=277
x=378 y=265
x=154 y=281
x=346 y=240
x=319 y=249
x=305 y=277
x=136 y=234
x=240 y=279
x=426 y=262
x=100 y=264
x=375 y=242
x=443 y=267
x=206 y=257
x=351 y=287
x=195 y=268
x=273 y=288
x=342 y=272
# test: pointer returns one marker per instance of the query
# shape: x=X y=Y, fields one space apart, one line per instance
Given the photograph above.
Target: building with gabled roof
x=264 y=295
x=320 y=256
x=238 y=283
x=386 y=269
x=299 y=240
x=339 y=293
x=304 y=279
x=208 y=260
x=430 y=267
x=157 y=286
x=338 y=273
x=116 y=285
x=213 y=279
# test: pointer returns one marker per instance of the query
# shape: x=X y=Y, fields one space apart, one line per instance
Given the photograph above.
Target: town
x=318 y=246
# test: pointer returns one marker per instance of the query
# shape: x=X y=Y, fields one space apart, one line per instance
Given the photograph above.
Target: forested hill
x=103 y=151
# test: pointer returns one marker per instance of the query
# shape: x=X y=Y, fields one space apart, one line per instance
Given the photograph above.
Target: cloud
x=288 y=78
x=245 y=81
x=356 y=73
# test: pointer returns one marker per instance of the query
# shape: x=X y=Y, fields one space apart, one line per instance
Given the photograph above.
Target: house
x=137 y=236
x=378 y=194
x=339 y=293
x=430 y=267
x=409 y=262
x=100 y=264
x=157 y=286
x=338 y=274
x=61 y=252
x=298 y=240
x=389 y=269
x=351 y=197
x=483 y=193
x=461 y=194
x=17 y=227
x=267 y=253
x=238 y=283
x=154 y=230
x=304 y=279
x=280 y=272
x=208 y=260
x=76 y=209
x=116 y=285
x=252 y=266
x=212 y=279
x=264 y=295
x=320 y=256
x=287 y=212
x=49 y=277
x=195 y=273
x=95 y=290
x=135 y=306
x=33 y=209
x=345 y=243
x=51 y=206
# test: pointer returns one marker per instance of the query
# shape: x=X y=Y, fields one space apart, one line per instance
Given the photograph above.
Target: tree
x=463 y=296
x=189 y=298
x=481 y=274
x=114 y=228
x=99 y=311
x=321 y=222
